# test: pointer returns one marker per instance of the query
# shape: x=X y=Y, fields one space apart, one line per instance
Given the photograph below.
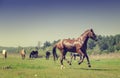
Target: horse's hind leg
x=63 y=58
x=61 y=61
x=69 y=62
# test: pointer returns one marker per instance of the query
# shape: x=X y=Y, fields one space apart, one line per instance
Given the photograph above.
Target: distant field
x=103 y=66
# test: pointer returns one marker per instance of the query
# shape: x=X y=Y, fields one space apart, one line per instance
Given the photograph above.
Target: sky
x=26 y=22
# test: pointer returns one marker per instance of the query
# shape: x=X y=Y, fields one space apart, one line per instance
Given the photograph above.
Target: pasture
x=103 y=66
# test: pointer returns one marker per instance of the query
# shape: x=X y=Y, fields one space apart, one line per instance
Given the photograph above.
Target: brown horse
x=23 y=53
x=78 y=45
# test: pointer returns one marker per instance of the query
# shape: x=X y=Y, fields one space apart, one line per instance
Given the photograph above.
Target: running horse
x=78 y=45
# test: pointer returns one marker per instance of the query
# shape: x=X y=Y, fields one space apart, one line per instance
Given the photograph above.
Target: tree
x=117 y=39
x=91 y=44
x=55 y=41
x=111 y=49
x=102 y=43
x=117 y=47
x=46 y=44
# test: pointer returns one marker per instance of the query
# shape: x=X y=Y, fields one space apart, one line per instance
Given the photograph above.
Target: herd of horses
x=76 y=46
x=33 y=54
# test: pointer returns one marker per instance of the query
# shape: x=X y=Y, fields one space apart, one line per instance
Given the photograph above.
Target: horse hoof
x=62 y=67
x=89 y=66
x=70 y=64
x=68 y=61
x=79 y=63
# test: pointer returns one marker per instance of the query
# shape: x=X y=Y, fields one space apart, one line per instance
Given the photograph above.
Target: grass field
x=106 y=66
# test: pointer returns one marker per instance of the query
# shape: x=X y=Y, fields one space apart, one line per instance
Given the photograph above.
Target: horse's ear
x=91 y=29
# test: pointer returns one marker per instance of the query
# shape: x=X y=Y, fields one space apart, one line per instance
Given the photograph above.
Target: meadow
x=103 y=66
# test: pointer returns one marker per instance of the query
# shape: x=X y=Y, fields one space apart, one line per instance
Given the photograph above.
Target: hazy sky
x=25 y=22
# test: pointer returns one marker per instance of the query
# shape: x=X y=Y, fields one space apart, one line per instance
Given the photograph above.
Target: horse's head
x=92 y=35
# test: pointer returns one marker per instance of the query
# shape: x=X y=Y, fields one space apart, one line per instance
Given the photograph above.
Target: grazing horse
x=78 y=45
x=47 y=55
x=33 y=54
x=4 y=52
x=23 y=53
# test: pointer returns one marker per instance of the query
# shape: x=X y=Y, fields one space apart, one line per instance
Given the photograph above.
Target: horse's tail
x=54 y=53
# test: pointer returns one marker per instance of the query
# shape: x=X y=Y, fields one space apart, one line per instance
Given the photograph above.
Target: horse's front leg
x=89 y=65
x=81 y=59
x=82 y=56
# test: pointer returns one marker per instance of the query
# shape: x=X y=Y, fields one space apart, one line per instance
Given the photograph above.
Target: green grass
x=41 y=68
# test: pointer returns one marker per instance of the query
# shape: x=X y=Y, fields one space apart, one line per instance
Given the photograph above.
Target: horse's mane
x=82 y=34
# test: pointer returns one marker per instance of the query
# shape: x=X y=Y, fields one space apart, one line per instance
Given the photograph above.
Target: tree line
x=105 y=44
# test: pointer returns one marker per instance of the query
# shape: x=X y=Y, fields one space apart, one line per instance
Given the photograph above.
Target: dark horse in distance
x=74 y=55
x=78 y=45
x=47 y=55
x=33 y=54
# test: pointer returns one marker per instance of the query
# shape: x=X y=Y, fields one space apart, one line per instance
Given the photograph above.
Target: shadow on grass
x=99 y=69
